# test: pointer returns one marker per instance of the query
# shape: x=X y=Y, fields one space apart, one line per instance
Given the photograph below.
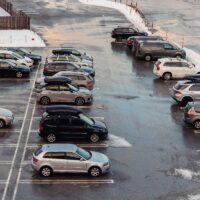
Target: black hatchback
x=9 y=69
x=64 y=122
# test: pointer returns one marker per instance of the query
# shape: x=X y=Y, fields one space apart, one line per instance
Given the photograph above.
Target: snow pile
x=194 y=197
x=3 y=13
x=136 y=19
x=129 y=13
x=116 y=141
x=20 y=38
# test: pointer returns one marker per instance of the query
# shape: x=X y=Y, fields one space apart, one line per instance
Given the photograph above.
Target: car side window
x=72 y=156
x=2 y=56
x=75 y=121
x=9 y=56
x=70 y=67
x=4 y=65
x=130 y=30
x=76 y=53
x=58 y=155
x=52 y=120
x=168 y=46
x=64 y=88
x=195 y=88
x=184 y=64
x=52 y=87
x=81 y=78
x=64 y=120
x=47 y=155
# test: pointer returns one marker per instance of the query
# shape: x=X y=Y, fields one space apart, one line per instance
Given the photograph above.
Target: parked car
x=74 y=51
x=120 y=33
x=192 y=114
x=25 y=53
x=64 y=93
x=10 y=69
x=15 y=58
x=71 y=58
x=6 y=117
x=79 y=79
x=64 y=122
x=169 y=68
x=149 y=50
x=52 y=68
x=63 y=158
x=186 y=91
x=133 y=41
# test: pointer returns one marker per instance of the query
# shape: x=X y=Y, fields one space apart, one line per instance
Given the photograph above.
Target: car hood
x=98 y=157
x=85 y=91
x=99 y=124
x=87 y=69
x=5 y=112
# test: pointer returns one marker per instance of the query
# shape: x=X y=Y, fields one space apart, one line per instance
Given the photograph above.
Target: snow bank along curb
x=20 y=38
x=138 y=22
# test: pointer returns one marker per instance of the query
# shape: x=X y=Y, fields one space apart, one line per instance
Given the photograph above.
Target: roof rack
x=62 y=109
x=57 y=79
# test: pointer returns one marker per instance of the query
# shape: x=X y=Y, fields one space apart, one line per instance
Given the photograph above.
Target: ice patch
x=185 y=174
x=116 y=141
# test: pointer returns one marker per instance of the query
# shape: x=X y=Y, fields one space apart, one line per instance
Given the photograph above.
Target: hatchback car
x=169 y=68
x=67 y=93
x=150 y=50
x=192 y=114
x=65 y=122
x=186 y=91
x=71 y=50
x=25 y=53
x=63 y=158
x=6 y=117
x=52 y=68
x=79 y=79
x=9 y=69
x=71 y=58
x=15 y=58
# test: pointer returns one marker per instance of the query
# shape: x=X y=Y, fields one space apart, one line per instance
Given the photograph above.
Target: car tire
x=178 y=56
x=94 y=138
x=148 y=57
x=45 y=100
x=2 y=123
x=19 y=75
x=46 y=171
x=167 y=76
x=51 y=138
x=79 y=101
x=185 y=101
x=196 y=124
x=94 y=171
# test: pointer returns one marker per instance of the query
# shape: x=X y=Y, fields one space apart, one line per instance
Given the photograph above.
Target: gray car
x=192 y=114
x=64 y=93
x=63 y=158
x=6 y=117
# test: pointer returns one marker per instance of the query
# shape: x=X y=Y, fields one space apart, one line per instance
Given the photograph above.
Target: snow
x=20 y=38
x=116 y=141
x=3 y=13
x=138 y=22
x=194 y=197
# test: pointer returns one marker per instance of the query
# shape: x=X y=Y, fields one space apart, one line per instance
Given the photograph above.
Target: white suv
x=15 y=58
x=169 y=68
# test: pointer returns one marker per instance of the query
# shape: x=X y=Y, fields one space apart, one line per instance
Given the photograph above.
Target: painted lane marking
x=5 y=162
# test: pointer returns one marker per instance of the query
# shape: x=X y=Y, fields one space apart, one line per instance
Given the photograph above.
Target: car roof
x=59 y=147
x=59 y=62
x=62 y=109
x=73 y=73
x=172 y=60
x=57 y=79
x=6 y=51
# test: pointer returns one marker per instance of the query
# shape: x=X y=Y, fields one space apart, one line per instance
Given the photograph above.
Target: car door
x=168 y=50
x=53 y=93
x=131 y=32
x=6 y=69
x=178 y=70
x=189 y=69
x=66 y=95
x=194 y=91
x=75 y=163
x=11 y=58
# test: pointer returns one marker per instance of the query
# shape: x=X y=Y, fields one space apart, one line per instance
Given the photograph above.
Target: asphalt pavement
x=148 y=139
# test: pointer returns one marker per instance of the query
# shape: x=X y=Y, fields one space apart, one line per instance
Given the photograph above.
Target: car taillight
x=158 y=67
x=89 y=82
x=35 y=160
x=130 y=42
x=45 y=69
x=191 y=112
x=178 y=92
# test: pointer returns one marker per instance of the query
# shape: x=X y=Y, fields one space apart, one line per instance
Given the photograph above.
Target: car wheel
x=186 y=100
x=94 y=138
x=46 y=171
x=2 y=123
x=45 y=100
x=51 y=138
x=80 y=101
x=197 y=124
x=95 y=171
x=167 y=76
x=178 y=56
x=147 y=57
x=19 y=75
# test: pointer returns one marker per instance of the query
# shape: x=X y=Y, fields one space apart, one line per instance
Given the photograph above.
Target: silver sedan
x=62 y=158
x=6 y=117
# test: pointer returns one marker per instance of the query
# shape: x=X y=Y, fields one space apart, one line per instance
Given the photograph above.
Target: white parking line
x=67 y=181
x=3 y=182
x=19 y=139
x=9 y=131
x=7 y=145
x=5 y=162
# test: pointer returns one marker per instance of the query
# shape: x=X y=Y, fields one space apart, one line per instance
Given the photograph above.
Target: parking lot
x=147 y=141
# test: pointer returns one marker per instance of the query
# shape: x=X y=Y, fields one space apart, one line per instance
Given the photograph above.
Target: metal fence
x=16 y=20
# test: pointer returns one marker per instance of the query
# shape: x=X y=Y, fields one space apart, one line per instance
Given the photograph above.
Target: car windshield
x=25 y=51
x=77 y=59
x=83 y=153
x=86 y=119
x=72 y=87
x=17 y=56
x=11 y=63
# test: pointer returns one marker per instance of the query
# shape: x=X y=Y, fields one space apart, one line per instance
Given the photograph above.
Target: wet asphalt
x=135 y=104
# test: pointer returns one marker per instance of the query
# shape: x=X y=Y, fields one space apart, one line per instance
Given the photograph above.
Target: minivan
x=150 y=50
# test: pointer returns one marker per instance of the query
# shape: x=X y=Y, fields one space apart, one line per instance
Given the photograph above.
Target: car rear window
x=180 y=87
x=38 y=151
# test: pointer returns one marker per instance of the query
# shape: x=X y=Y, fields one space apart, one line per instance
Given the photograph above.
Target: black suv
x=120 y=33
x=62 y=122
x=23 y=52
x=9 y=69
